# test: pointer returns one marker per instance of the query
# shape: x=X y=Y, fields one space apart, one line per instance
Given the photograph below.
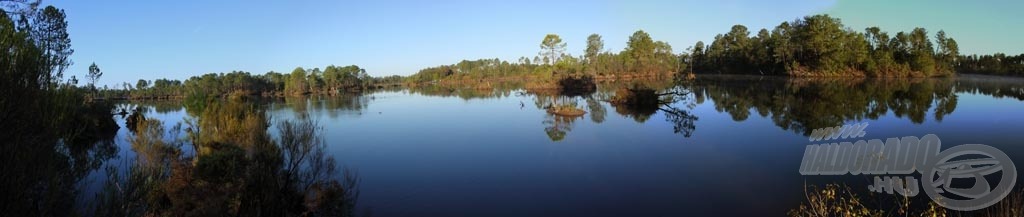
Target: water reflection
x=347 y=104
x=235 y=168
x=637 y=101
x=998 y=87
x=795 y=104
x=596 y=110
x=556 y=126
x=495 y=90
x=158 y=106
x=434 y=150
x=801 y=105
x=640 y=102
x=486 y=133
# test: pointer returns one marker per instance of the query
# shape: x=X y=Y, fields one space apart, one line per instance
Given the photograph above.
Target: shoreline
x=527 y=83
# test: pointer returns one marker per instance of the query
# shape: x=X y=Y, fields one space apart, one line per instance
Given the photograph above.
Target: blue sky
x=130 y=40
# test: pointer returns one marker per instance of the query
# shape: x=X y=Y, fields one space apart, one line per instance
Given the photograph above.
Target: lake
x=725 y=146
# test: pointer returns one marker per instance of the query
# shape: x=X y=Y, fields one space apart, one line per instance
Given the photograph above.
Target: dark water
x=731 y=146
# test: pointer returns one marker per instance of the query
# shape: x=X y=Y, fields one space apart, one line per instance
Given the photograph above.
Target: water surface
x=731 y=146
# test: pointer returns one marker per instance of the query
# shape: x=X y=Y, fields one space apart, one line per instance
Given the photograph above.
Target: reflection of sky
x=445 y=156
x=448 y=153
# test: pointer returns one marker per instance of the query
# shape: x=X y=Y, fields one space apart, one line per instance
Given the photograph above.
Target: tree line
x=643 y=56
x=995 y=64
x=301 y=81
x=821 y=45
x=818 y=45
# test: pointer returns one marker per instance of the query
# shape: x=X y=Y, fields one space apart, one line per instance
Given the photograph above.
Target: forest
x=813 y=46
x=820 y=46
x=301 y=81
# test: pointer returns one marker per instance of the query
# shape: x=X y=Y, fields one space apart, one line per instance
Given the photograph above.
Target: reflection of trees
x=640 y=102
x=641 y=99
x=683 y=122
x=150 y=147
x=802 y=105
x=236 y=123
x=164 y=106
x=608 y=89
x=497 y=90
x=596 y=110
x=237 y=170
x=346 y=103
x=557 y=126
x=998 y=87
x=640 y=114
x=545 y=100
x=334 y=105
x=298 y=104
x=48 y=152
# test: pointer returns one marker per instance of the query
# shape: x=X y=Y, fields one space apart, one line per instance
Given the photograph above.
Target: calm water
x=731 y=147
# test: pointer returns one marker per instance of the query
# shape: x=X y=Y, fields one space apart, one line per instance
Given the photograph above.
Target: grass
x=840 y=200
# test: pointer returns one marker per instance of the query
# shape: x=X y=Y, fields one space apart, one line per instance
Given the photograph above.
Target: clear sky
x=130 y=40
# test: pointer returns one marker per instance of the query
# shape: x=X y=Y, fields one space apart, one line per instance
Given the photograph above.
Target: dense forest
x=814 y=46
x=820 y=45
